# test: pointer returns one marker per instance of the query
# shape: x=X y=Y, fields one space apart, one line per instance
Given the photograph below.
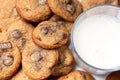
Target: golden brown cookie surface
x=49 y=35
x=38 y=63
x=77 y=75
x=20 y=76
x=4 y=23
x=33 y=10
x=7 y=9
x=9 y=59
x=67 y=9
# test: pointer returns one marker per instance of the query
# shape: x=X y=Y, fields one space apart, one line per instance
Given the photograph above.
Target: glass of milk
x=95 y=39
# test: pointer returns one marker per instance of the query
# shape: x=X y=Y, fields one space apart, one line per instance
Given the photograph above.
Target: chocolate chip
x=42 y=2
x=51 y=68
x=67 y=77
x=59 y=62
x=83 y=75
x=27 y=9
x=62 y=56
x=56 y=18
x=44 y=30
x=61 y=22
x=37 y=66
x=16 y=33
x=22 y=41
x=71 y=8
x=64 y=36
x=36 y=56
x=8 y=60
x=39 y=38
x=56 y=43
x=66 y=1
x=5 y=45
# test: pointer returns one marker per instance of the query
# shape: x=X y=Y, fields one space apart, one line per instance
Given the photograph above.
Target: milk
x=97 y=41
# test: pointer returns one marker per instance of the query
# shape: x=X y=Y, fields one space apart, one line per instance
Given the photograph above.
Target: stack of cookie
x=29 y=53
x=35 y=38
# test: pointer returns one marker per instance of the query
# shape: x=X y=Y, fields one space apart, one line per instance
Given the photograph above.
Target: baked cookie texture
x=114 y=76
x=61 y=21
x=38 y=63
x=77 y=75
x=7 y=21
x=65 y=62
x=50 y=35
x=20 y=75
x=10 y=59
x=91 y=3
x=33 y=10
x=19 y=32
x=7 y=9
x=67 y=9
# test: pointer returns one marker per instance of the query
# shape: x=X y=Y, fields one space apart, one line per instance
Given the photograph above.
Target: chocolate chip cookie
x=33 y=10
x=20 y=76
x=9 y=59
x=38 y=63
x=114 y=76
x=7 y=9
x=50 y=35
x=91 y=3
x=67 y=9
x=65 y=62
x=19 y=32
x=77 y=75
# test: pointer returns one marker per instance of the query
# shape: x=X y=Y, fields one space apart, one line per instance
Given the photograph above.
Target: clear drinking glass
x=101 y=9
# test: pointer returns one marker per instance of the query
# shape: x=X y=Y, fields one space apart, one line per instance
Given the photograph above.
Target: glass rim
x=72 y=42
